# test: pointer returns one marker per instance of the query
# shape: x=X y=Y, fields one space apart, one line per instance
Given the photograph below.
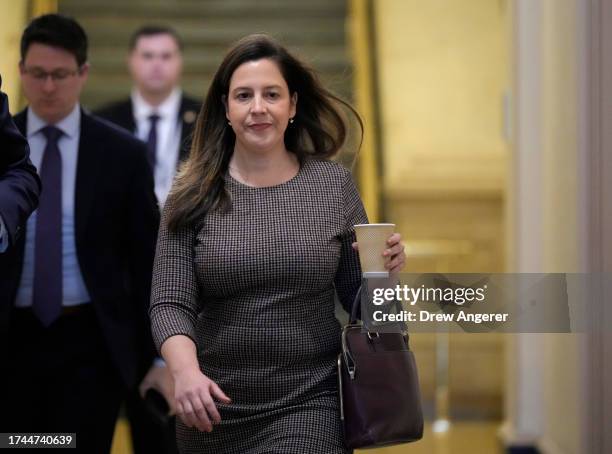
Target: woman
x=255 y=239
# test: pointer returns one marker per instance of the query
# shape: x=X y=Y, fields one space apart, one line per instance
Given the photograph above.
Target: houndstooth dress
x=254 y=289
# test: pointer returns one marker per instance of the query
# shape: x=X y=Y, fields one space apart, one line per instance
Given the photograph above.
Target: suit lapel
x=88 y=165
x=127 y=117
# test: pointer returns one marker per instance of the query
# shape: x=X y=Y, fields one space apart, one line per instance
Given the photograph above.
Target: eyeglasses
x=59 y=75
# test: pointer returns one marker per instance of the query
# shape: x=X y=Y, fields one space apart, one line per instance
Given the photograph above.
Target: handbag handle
x=356 y=302
x=349 y=361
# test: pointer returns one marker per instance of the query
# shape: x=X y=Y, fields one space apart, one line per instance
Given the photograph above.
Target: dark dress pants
x=149 y=436
x=61 y=379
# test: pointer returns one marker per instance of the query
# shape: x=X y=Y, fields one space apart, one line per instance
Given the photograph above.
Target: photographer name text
x=425 y=316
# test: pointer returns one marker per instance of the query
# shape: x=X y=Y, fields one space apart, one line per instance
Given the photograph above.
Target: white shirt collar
x=69 y=125
x=169 y=108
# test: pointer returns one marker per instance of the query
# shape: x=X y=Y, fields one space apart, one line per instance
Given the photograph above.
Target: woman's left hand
x=395 y=257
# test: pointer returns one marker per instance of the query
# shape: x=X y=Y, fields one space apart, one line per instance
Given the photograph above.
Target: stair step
x=220 y=8
x=315 y=30
x=208 y=64
x=223 y=33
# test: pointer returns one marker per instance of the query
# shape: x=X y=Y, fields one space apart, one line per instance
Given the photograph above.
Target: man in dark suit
x=157 y=111
x=161 y=115
x=77 y=301
x=19 y=182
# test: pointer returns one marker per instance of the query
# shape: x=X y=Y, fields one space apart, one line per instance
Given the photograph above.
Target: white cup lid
x=374 y=225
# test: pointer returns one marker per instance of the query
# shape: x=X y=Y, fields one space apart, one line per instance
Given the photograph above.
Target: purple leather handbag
x=380 y=399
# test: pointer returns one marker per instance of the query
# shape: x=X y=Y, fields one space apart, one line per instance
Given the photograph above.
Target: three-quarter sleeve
x=174 y=291
x=348 y=274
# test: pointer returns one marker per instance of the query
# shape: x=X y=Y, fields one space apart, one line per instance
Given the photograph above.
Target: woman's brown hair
x=319 y=129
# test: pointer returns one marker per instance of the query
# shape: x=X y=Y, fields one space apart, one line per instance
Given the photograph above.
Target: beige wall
x=560 y=136
x=443 y=75
x=562 y=239
x=12 y=21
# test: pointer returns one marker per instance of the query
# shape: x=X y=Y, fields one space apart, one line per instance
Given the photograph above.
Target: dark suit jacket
x=19 y=182
x=116 y=223
x=121 y=113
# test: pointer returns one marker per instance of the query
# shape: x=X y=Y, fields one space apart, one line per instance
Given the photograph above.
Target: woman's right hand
x=194 y=393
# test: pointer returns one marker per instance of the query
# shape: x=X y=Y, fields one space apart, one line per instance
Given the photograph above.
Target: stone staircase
x=313 y=29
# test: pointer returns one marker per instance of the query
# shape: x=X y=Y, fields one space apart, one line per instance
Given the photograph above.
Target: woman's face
x=259 y=106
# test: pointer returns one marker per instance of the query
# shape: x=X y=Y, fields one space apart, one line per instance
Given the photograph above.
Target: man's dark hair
x=152 y=30
x=57 y=31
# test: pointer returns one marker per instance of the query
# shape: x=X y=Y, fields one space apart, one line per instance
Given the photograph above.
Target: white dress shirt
x=168 y=137
x=74 y=290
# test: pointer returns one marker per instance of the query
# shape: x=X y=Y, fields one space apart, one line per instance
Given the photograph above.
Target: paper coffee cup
x=372 y=241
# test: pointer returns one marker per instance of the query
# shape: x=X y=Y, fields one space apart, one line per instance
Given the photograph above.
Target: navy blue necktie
x=47 y=289
x=152 y=140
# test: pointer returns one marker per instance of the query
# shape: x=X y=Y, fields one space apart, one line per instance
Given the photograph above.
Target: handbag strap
x=356 y=302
